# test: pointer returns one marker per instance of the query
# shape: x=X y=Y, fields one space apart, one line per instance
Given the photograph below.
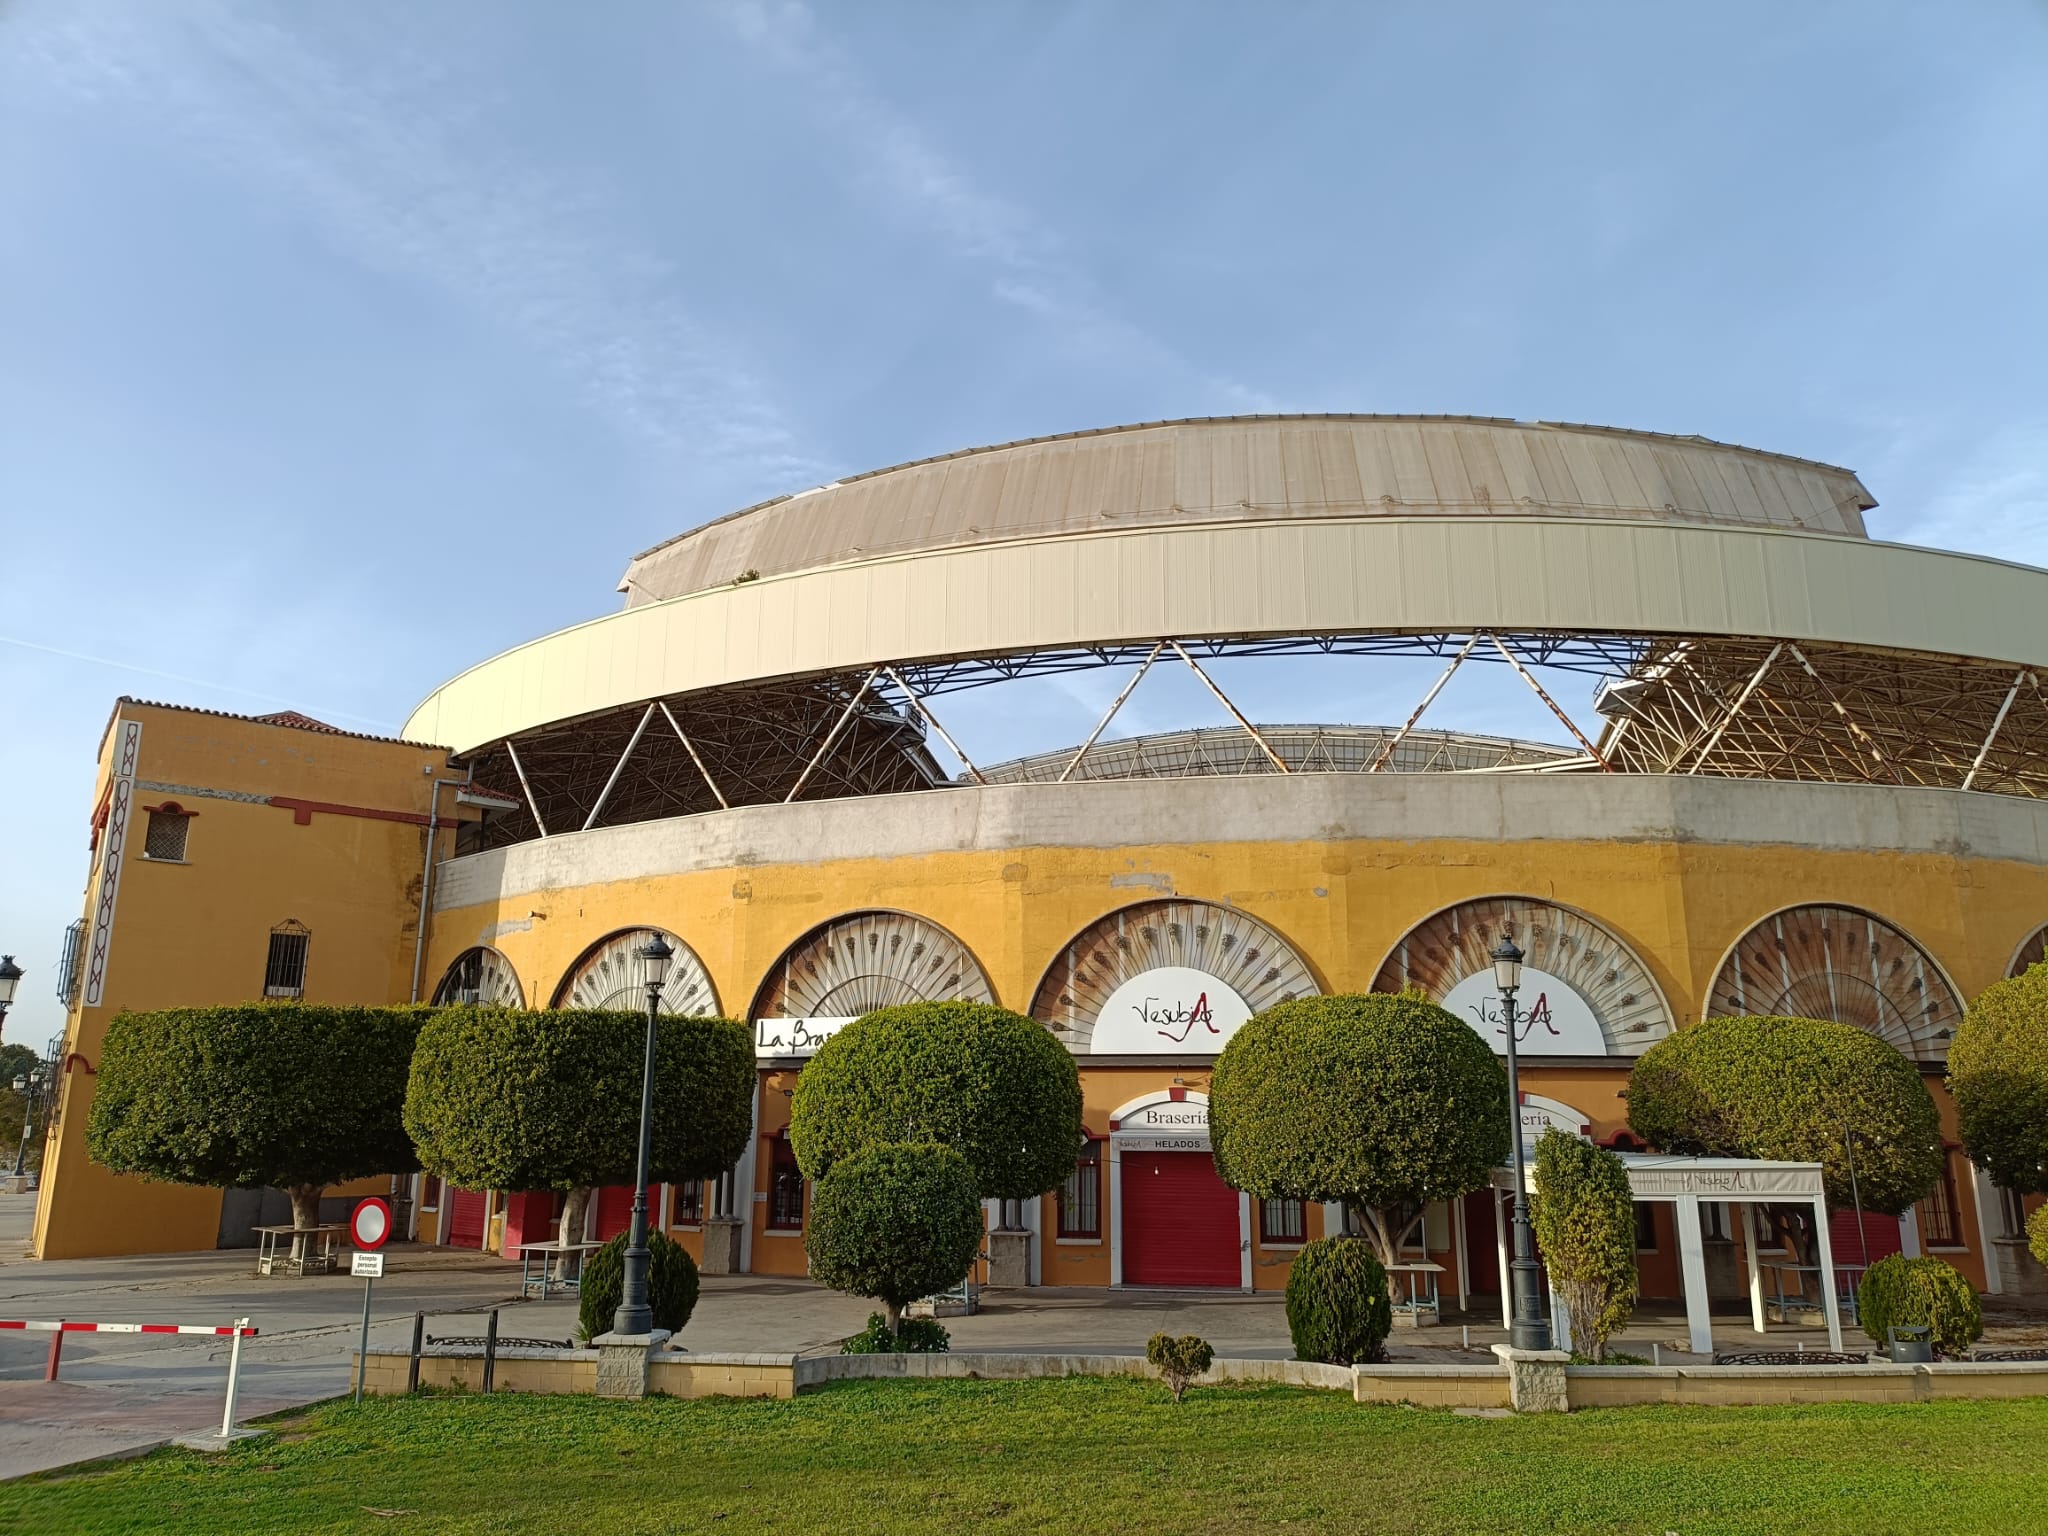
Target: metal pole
x=491 y=1351
x=363 y=1354
x=28 y=1115
x=1856 y=1195
x=1531 y=1328
x=227 y=1414
x=412 y=1375
x=635 y=1318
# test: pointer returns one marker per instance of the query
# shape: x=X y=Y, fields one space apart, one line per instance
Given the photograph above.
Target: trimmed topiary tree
x=1998 y=1073
x=1792 y=1089
x=519 y=1099
x=894 y=1222
x=1383 y=1102
x=672 y=1285
x=294 y=1096
x=1179 y=1361
x=1338 y=1307
x=2037 y=1233
x=1897 y=1291
x=991 y=1084
x=1584 y=1220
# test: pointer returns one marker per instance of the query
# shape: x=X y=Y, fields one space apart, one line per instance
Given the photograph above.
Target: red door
x=615 y=1210
x=1877 y=1239
x=466 y=1218
x=1179 y=1221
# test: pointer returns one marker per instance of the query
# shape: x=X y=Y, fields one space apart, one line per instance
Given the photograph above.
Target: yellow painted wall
x=198 y=932
x=1343 y=905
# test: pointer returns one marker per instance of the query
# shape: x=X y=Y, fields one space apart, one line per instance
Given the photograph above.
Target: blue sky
x=342 y=346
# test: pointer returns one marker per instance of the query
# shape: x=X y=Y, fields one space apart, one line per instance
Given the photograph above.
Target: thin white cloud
x=1996 y=504
x=388 y=163
x=1027 y=267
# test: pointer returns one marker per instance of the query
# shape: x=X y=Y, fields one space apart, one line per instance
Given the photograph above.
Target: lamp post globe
x=1529 y=1328
x=635 y=1318
x=10 y=979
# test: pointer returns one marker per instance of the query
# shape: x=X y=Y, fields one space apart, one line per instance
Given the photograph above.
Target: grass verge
x=1077 y=1455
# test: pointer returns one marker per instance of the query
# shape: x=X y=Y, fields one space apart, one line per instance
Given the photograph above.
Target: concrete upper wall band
x=1391 y=574
x=1254 y=469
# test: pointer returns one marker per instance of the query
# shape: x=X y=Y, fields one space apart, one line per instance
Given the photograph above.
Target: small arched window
x=164 y=840
x=284 y=972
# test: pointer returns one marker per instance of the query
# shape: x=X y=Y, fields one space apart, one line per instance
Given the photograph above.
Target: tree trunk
x=892 y=1313
x=305 y=1216
x=1380 y=1230
x=570 y=1230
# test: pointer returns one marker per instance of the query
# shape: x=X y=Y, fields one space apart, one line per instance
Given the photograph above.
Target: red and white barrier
x=237 y=1331
x=247 y=1333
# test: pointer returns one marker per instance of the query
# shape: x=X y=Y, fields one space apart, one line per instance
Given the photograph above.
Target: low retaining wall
x=686 y=1375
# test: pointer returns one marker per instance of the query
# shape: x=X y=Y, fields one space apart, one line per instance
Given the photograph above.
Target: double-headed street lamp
x=635 y=1317
x=1530 y=1329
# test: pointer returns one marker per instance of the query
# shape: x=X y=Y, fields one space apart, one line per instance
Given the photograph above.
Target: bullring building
x=1810 y=782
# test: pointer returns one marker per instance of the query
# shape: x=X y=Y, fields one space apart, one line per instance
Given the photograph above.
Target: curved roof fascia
x=1240 y=469
x=1381 y=574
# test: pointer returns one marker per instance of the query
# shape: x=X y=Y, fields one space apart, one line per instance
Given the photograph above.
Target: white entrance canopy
x=1685 y=1182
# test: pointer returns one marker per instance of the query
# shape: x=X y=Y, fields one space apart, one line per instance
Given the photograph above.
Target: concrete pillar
x=1692 y=1265
x=622 y=1362
x=1536 y=1379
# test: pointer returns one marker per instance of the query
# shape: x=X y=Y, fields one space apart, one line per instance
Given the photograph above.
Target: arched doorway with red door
x=1173 y=1221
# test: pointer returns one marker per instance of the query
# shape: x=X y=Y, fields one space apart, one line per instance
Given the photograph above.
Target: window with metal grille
x=1080 y=1199
x=785 y=1188
x=1282 y=1221
x=69 y=971
x=165 y=838
x=686 y=1204
x=284 y=972
x=1940 y=1222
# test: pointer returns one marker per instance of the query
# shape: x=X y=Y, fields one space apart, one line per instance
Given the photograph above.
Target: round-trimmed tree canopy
x=1794 y=1090
x=894 y=1222
x=506 y=1098
x=292 y=1095
x=1374 y=1099
x=991 y=1084
x=1998 y=1072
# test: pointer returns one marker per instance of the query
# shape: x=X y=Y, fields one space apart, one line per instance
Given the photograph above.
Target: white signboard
x=1166 y=1127
x=1550 y=1018
x=793 y=1037
x=1171 y=1011
x=1540 y=1114
x=367 y=1266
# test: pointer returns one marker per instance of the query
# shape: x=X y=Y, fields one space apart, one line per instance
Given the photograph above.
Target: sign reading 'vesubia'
x=1551 y=1019
x=794 y=1037
x=1170 y=1010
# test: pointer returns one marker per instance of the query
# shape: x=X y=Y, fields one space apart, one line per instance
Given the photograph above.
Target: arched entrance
x=1173 y=1221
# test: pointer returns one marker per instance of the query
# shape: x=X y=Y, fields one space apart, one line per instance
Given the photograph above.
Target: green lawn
x=1072 y=1457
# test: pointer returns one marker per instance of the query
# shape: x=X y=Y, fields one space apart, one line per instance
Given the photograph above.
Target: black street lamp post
x=1530 y=1328
x=30 y=1084
x=634 y=1317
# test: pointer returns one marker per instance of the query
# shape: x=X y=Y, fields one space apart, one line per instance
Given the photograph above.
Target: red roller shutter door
x=615 y=1210
x=1179 y=1221
x=466 y=1217
x=1879 y=1237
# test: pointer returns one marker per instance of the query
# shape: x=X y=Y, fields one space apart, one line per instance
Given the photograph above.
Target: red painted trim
x=169 y=808
x=90 y=1069
x=302 y=812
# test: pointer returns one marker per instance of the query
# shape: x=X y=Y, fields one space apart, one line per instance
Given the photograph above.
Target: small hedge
x=671 y=1285
x=1337 y=1303
x=1585 y=1224
x=2037 y=1233
x=1897 y=1291
x=917 y=1336
x=1180 y=1360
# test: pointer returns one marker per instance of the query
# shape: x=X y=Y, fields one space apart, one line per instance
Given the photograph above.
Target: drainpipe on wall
x=419 y=940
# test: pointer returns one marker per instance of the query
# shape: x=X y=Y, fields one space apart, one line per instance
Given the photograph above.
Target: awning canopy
x=1662 y=1176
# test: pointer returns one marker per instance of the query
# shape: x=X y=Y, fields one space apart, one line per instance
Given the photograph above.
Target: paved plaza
x=124 y=1393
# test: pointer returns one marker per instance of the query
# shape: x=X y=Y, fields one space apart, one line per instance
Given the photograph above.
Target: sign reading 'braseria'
x=1169 y=1010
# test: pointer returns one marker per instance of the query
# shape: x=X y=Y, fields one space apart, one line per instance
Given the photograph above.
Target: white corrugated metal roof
x=1254 y=469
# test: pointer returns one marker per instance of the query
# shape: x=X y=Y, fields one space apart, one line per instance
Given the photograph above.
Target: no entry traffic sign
x=369 y=1225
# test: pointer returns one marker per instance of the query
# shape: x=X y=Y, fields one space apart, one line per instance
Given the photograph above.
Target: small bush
x=895 y=1222
x=2037 y=1233
x=1180 y=1360
x=671 y=1285
x=1585 y=1223
x=917 y=1336
x=1899 y=1291
x=1337 y=1305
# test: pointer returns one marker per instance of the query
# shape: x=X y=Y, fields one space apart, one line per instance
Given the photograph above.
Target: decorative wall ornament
x=1840 y=963
x=481 y=976
x=853 y=965
x=1584 y=992
x=1172 y=977
x=121 y=801
x=607 y=975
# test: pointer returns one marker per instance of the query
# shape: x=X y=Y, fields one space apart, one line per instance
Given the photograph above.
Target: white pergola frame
x=1685 y=1182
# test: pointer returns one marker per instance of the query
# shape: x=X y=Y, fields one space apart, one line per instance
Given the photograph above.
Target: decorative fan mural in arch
x=607 y=975
x=1167 y=978
x=1584 y=992
x=854 y=965
x=2029 y=954
x=480 y=975
x=1822 y=962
